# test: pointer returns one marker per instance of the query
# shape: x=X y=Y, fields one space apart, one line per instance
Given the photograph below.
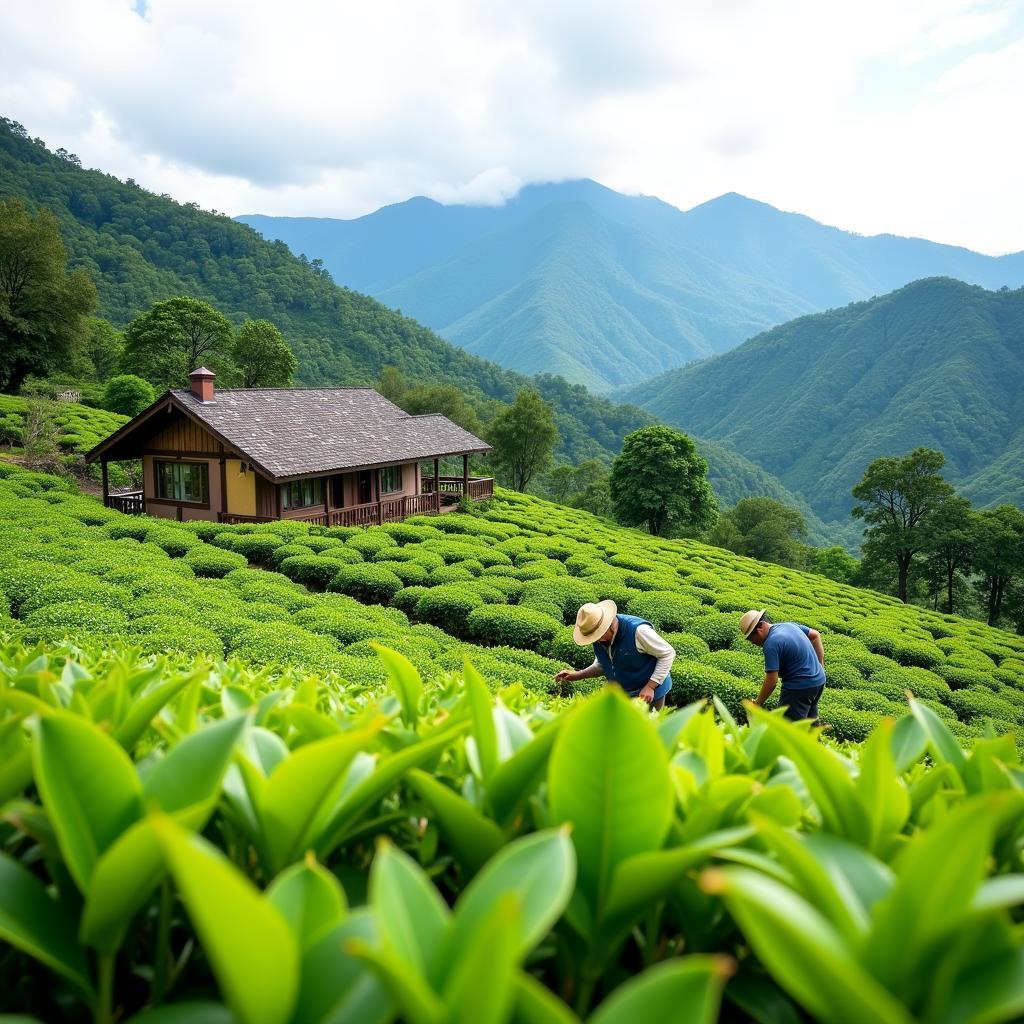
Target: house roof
x=293 y=432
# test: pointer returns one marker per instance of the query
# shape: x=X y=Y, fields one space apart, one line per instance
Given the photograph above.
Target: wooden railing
x=451 y=487
x=387 y=510
x=132 y=503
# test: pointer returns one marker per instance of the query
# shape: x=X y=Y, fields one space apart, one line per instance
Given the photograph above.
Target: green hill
x=608 y=289
x=938 y=363
x=139 y=248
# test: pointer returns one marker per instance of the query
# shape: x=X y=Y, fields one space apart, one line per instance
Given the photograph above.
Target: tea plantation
x=221 y=799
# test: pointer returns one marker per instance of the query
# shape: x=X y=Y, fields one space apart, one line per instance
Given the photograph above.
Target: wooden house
x=330 y=456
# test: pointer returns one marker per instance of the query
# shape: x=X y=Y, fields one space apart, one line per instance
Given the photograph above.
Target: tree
x=523 y=437
x=660 y=481
x=176 y=337
x=898 y=496
x=835 y=563
x=262 y=356
x=560 y=483
x=950 y=544
x=104 y=347
x=999 y=555
x=42 y=307
x=128 y=394
x=765 y=529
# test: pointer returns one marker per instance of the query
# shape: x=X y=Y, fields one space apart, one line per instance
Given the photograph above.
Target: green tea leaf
x=405 y=681
x=473 y=838
x=515 y=779
x=417 y=1002
x=145 y=708
x=909 y=742
x=536 y=1004
x=186 y=1013
x=254 y=954
x=411 y=916
x=124 y=878
x=481 y=711
x=39 y=926
x=608 y=777
x=787 y=934
x=941 y=742
x=190 y=775
x=825 y=776
x=671 y=727
x=687 y=990
x=540 y=869
x=310 y=899
x=299 y=796
x=89 y=788
x=880 y=788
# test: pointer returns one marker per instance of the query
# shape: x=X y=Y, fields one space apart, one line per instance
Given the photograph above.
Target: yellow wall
x=241 y=489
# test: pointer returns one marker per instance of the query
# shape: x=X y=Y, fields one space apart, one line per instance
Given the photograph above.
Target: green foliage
x=262 y=356
x=449 y=607
x=368 y=582
x=42 y=307
x=523 y=438
x=762 y=528
x=128 y=395
x=514 y=627
x=659 y=481
x=175 y=337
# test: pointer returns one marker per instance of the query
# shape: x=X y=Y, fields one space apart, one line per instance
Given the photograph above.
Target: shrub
x=407 y=598
x=450 y=574
x=410 y=573
x=514 y=627
x=742 y=666
x=971 y=704
x=564 y=594
x=964 y=678
x=716 y=629
x=284 y=644
x=285 y=595
x=692 y=681
x=213 y=562
x=287 y=551
x=448 y=607
x=842 y=673
x=158 y=635
x=370 y=542
x=311 y=570
x=71 y=616
x=687 y=645
x=257 y=548
x=75 y=588
x=366 y=582
x=343 y=628
x=344 y=555
x=563 y=648
x=128 y=395
x=665 y=610
x=173 y=542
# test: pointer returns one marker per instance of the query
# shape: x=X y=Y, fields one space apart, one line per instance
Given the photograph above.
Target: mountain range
x=937 y=363
x=607 y=289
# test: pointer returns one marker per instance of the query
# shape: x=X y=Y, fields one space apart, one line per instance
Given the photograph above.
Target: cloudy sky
x=874 y=115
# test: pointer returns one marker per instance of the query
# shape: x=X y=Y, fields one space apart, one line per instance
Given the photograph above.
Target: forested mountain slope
x=937 y=363
x=140 y=248
x=601 y=287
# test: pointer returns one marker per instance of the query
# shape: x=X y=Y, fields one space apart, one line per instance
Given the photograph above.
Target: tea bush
x=366 y=582
x=512 y=627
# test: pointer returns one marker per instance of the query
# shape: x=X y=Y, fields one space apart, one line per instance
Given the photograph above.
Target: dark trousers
x=802 y=703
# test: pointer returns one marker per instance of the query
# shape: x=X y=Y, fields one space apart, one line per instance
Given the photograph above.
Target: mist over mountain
x=608 y=289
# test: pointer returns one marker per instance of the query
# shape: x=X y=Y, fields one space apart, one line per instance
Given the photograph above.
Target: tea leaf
x=481 y=709
x=310 y=899
x=405 y=681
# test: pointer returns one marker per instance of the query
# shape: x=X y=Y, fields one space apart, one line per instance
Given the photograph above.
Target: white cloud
x=334 y=109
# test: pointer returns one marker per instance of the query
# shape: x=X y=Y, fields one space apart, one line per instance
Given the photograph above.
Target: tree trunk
x=903 y=568
x=949 y=589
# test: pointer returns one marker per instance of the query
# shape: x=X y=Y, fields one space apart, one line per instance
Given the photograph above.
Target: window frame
x=315 y=484
x=180 y=464
x=401 y=479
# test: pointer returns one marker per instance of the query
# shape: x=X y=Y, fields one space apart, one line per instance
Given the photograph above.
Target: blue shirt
x=788 y=652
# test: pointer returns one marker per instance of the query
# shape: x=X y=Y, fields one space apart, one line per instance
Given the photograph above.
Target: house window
x=390 y=479
x=302 y=493
x=183 y=481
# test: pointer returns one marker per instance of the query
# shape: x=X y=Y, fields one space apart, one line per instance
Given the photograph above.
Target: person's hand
x=566 y=673
x=647 y=693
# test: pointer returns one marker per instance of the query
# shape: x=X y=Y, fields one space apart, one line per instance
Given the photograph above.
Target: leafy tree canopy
x=765 y=529
x=262 y=356
x=128 y=394
x=523 y=437
x=42 y=306
x=660 y=481
x=176 y=337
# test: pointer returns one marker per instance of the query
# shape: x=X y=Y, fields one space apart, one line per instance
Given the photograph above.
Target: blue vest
x=624 y=664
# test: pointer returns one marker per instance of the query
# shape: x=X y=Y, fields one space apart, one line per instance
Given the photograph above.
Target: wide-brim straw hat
x=749 y=621
x=592 y=622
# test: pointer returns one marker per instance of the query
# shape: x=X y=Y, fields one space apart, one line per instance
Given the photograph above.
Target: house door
x=337 y=492
x=365 y=487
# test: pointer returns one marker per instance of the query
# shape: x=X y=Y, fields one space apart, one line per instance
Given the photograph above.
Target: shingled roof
x=292 y=432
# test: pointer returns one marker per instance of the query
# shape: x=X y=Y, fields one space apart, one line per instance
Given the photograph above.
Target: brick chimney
x=201 y=381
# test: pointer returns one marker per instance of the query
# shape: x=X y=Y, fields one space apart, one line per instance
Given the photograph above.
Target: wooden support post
x=106 y=484
x=223 y=487
x=465 y=475
x=380 y=504
x=280 y=501
x=437 y=485
x=327 y=499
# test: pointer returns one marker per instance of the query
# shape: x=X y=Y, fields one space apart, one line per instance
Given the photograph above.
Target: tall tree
x=42 y=306
x=999 y=555
x=659 y=480
x=262 y=356
x=765 y=529
x=950 y=544
x=898 y=496
x=104 y=347
x=523 y=437
x=176 y=337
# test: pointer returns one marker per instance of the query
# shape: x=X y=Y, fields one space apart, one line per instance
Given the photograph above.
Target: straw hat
x=592 y=622
x=749 y=621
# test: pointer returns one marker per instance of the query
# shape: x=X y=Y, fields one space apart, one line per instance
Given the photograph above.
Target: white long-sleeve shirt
x=648 y=641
